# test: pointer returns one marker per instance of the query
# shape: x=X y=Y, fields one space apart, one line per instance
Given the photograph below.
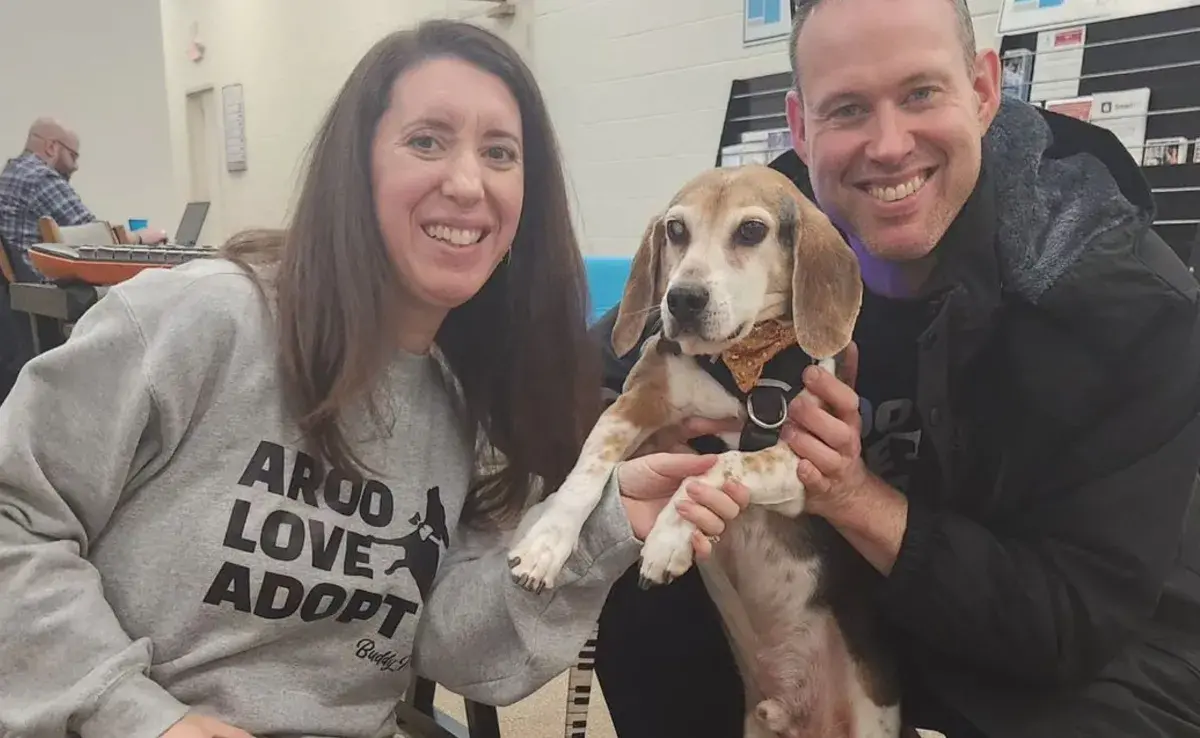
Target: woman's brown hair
x=519 y=348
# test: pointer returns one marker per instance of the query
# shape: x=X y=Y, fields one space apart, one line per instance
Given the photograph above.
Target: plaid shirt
x=29 y=189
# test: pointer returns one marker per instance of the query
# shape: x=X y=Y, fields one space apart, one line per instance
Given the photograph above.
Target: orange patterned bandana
x=747 y=357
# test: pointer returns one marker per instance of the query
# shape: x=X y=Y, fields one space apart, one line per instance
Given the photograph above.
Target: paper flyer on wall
x=1167 y=152
x=1026 y=16
x=1123 y=112
x=1058 y=64
x=1017 y=70
x=757 y=147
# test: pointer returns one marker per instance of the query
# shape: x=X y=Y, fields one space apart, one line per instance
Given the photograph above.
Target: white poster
x=1058 y=63
x=1122 y=112
x=765 y=20
x=1026 y=16
x=234 y=108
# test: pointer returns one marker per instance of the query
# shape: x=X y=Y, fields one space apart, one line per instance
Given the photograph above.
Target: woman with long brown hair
x=244 y=492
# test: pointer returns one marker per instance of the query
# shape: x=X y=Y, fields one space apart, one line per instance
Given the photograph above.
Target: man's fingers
x=806 y=412
x=807 y=446
x=810 y=477
x=847 y=366
x=842 y=400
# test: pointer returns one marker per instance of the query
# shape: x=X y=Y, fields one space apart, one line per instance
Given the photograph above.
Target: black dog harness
x=767 y=401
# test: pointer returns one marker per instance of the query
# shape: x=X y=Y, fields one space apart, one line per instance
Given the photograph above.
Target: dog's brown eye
x=676 y=231
x=751 y=233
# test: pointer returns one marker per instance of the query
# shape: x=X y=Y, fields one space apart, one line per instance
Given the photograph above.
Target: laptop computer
x=190 y=224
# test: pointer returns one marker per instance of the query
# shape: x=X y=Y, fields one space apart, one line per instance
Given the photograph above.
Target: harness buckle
x=769 y=387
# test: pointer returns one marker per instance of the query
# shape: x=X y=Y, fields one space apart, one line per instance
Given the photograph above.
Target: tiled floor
x=541 y=715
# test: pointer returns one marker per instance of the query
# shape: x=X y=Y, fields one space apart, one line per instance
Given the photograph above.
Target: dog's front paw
x=667 y=553
x=773 y=715
x=539 y=556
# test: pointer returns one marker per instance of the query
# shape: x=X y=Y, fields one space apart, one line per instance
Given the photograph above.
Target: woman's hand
x=202 y=726
x=674 y=439
x=648 y=482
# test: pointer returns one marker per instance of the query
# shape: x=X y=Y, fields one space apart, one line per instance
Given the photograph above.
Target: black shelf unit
x=755 y=104
x=1160 y=51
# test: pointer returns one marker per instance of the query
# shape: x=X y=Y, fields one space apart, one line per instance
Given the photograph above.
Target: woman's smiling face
x=448 y=183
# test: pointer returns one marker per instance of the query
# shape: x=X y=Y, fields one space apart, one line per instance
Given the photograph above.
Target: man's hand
x=151 y=236
x=648 y=482
x=825 y=430
x=200 y=726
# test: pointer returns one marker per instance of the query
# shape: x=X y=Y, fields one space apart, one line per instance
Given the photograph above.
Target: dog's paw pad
x=772 y=714
x=646 y=583
x=537 y=559
x=667 y=553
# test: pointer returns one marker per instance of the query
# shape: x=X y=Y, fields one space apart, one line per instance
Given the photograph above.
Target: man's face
x=66 y=155
x=890 y=119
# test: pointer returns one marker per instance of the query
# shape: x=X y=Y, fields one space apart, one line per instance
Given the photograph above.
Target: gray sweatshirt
x=164 y=545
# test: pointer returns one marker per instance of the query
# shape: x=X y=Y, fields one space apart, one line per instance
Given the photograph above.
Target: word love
x=283 y=536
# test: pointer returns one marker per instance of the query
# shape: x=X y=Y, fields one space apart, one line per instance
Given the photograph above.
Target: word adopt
x=318 y=531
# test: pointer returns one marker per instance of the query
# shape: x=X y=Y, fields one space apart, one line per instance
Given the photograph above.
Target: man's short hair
x=804 y=8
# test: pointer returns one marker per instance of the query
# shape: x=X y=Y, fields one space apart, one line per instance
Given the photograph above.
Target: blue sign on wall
x=766 y=20
x=606 y=277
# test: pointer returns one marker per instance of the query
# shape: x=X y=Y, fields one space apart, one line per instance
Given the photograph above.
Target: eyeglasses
x=73 y=152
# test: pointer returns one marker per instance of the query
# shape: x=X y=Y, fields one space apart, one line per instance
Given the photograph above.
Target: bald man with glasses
x=36 y=184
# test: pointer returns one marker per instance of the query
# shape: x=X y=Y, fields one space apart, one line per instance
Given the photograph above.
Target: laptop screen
x=191 y=223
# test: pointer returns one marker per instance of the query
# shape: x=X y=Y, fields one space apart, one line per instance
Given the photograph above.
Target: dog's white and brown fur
x=736 y=247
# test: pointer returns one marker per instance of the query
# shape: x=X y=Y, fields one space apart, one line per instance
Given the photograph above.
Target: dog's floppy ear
x=643 y=290
x=826 y=283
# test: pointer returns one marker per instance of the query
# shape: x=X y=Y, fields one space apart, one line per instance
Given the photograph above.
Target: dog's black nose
x=686 y=302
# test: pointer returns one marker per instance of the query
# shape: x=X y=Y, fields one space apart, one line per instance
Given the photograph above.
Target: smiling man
x=1015 y=441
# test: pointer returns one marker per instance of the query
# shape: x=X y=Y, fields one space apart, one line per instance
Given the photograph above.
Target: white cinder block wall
x=638 y=89
x=97 y=66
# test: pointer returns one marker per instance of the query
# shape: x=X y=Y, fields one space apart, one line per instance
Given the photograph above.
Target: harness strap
x=767 y=402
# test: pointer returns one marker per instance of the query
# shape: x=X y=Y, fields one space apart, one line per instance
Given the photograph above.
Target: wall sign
x=1025 y=16
x=765 y=20
x=234 y=108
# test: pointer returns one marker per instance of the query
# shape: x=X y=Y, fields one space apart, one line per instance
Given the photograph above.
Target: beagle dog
x=737 y=286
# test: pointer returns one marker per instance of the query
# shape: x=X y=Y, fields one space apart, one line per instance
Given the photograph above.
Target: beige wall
x=99 y=67
x=637 y=90
x=291 y=57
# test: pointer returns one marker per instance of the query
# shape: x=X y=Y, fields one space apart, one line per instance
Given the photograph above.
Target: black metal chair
x=423 y=720
x=16 y=341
